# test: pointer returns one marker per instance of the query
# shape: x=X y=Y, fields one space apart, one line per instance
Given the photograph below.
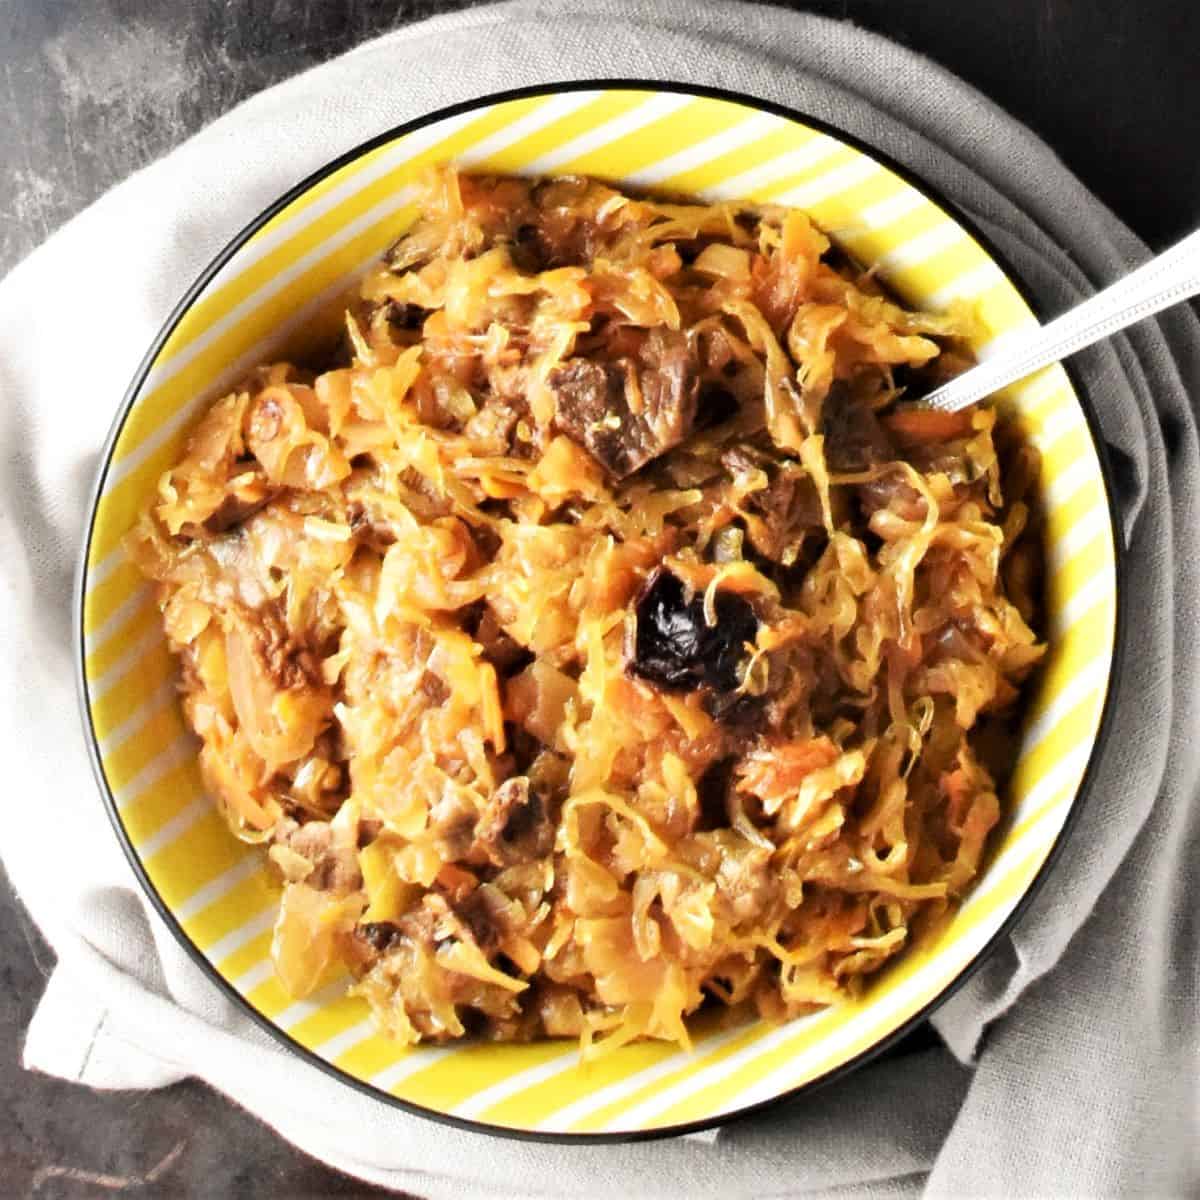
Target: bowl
x=277 y=289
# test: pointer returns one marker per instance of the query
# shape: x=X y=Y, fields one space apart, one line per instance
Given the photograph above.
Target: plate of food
x=539 y=655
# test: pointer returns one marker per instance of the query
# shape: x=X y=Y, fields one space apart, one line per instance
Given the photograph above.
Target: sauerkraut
x=606 y=630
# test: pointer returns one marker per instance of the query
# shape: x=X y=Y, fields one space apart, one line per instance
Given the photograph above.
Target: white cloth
x=1086 y=1086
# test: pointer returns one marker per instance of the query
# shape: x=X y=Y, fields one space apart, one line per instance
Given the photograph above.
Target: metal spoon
x=1171 y=277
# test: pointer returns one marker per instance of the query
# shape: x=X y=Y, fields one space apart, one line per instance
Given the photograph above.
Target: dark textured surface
x=93 y=89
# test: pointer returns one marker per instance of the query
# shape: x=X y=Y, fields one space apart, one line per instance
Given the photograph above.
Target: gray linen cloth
x=1072 y=1056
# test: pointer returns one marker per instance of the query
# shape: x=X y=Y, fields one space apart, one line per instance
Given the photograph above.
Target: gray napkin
x=1072 y=1057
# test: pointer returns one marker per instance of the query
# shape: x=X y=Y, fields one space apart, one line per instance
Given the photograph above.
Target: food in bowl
x=607 y=630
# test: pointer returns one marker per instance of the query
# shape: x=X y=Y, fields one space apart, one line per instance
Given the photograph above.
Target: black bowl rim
x=232 y=247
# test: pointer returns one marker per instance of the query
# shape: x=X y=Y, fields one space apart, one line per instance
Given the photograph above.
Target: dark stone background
x=93 y=89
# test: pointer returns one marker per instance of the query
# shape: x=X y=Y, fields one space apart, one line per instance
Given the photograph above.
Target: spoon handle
x=1172 y=276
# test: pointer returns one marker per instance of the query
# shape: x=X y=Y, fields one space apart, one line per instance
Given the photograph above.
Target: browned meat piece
x=334 y=866
x=285 y=660
x=494 y=424
x=854 y=438
x=779 y=514
x=485 y=913
x=452 y=823
x=505 y=654
x=237 y=507
x=514 y=826
x=627 y=413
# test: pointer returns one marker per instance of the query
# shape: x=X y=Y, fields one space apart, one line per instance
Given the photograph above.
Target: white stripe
x=572 y=1114
x=1062 y=779
x=118 y=667
x=253 y=976
x=1083 y=600
x=139 y=598
x=965 y=286
x=220 y=887
x=231 y=943
x=1081 y=686
x=301 y=1010
x=518 y=1082
x=241 y=936
x=922 y=247
x=153 y=703
x=339 y=1044
x=1063 y=420
x=1090 y=526
x=1034 y=393
x=888 y=212
x=167 y=759
x=794 y=162
x=175 y=827
x=832 y=183
x=104 y=568
x=417 y=1058
x=661 y=105
x=1064 y=485
x=553 y=110
x=757 y=126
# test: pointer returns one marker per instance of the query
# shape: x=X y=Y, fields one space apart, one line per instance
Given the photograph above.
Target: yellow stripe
x=124 y=695
x=336 y=1017
x=839 y=209
x=530 y=1107
x=109 y=651
x=370 y=1056
x=159 y=803
x=475 y=1067
x=123 y=763
x=565 y=129
x=242 y=903
x=103 y=599
x=180 y=869
x=652 y=143
x=246 y=957
x=744 y=158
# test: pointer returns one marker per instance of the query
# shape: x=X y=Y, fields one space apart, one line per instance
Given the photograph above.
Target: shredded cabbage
x=607 y=631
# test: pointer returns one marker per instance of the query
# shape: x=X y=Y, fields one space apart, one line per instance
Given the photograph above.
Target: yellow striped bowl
x=274 y=288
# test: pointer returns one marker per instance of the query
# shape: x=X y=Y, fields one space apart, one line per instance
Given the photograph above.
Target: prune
x=676 y=649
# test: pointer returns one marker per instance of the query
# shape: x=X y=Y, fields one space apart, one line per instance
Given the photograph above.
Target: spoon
x=1171 y=277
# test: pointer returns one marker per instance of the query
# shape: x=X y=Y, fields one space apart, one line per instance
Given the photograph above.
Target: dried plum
x=678 y=651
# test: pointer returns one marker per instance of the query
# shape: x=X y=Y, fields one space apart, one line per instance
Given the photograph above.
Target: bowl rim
x=231 y=248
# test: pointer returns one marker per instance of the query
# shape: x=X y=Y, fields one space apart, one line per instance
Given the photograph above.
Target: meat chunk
x=626 y=413
x=514 y=826
x=287 y=661
x=238 y=506
x=854 y=438
x=333 y=866
x=779 y=514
